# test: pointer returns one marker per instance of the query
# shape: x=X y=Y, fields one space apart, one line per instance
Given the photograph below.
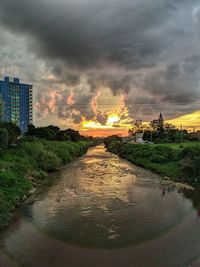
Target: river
x=102 y=211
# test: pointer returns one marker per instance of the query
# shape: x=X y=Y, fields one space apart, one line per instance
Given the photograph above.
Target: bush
x=54 y=133
x=43 y=158
x=158 y=159
x=4 y=138
x=110 y=139
x=162 y=141
x=5 y=211
x=180 y=162
x=14 y=131
x=115 y=147
x=190 y=163
x=167 y=153
x=28 y=139
x=14 y=186
x=29 y=163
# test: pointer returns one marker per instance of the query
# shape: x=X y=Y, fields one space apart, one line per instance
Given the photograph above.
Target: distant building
x=139 y=138
x=136 y=138
x=17 y=98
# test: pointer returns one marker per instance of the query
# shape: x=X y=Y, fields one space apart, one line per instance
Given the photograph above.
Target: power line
x=135 y=104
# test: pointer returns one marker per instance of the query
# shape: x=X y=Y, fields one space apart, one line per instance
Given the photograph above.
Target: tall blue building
x=17 y=99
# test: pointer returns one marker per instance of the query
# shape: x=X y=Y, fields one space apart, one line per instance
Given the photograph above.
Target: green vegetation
x=159 y=132
x=113 y=138
x=4 y=138
x=52 y=132
x=180 y=162
x=12 y=130
x=27 y=164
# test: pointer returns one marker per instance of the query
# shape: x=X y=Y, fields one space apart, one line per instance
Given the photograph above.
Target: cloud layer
x=147 y=50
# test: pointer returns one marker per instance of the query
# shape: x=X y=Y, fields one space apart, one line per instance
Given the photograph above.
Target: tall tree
x=138 y=127
x=158 y=125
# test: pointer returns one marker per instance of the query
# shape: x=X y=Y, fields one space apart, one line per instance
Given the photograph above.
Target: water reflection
x=102 y=203
x=108 y=212
x=194 y=196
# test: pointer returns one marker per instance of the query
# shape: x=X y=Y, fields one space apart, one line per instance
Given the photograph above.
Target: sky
x=97 y=65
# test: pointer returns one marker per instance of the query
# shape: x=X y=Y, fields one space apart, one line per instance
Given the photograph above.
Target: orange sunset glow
x=112 y=126
x=115 y=114
x=100 y=133
x=189 y=121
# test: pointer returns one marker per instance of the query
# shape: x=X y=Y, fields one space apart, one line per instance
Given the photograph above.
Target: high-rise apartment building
x=17 y=101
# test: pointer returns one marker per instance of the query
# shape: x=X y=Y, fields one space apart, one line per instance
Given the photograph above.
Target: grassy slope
x=180 y=162
x=28 y=164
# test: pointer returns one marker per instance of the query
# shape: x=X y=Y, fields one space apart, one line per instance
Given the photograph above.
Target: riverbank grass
x=180 y=162
x=27 y=165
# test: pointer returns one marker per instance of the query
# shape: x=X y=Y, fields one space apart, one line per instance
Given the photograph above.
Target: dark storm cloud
x=86 y=34
x=151 y=45
x=173 y=90
x=118 y=82
x=67 y=77
x=179 y=82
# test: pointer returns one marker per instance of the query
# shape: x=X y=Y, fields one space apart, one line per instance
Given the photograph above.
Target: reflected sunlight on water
x=105 y=210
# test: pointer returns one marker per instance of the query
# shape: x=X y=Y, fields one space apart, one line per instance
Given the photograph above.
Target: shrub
x=181 y=162
x=14 y=186
x=44 y=159
x=190 y=163
x=162 y=141
x=158 y=159
x=115 y=147
x=29 y=163
x=4 y=138
x=14 y=131
x=110 y=139
x=162 y=159
x=5 y=211
x=165 y=152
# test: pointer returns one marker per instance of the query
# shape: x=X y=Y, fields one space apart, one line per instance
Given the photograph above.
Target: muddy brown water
x=102 y=211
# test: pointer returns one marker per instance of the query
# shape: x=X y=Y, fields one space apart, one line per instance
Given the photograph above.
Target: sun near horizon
x=190 y=122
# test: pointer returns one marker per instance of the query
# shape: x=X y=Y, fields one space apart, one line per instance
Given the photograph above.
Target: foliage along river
x=103 y=211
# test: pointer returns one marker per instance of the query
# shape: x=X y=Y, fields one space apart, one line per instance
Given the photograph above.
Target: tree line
x=10 y=134
x=158 y=131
